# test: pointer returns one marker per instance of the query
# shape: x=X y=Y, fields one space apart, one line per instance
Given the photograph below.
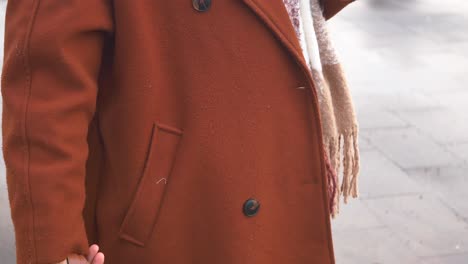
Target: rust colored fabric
x=333 y=7
x=144 y=126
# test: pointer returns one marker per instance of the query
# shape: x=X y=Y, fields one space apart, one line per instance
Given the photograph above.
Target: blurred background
x=407 y=64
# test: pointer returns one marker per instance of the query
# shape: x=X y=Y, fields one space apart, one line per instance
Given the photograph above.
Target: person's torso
x=196 y=113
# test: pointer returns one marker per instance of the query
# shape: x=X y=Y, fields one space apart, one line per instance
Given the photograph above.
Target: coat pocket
x=143 y=212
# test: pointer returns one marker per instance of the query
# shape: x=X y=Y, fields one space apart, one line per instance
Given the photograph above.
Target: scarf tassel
x=339 y=124
x=343 y=148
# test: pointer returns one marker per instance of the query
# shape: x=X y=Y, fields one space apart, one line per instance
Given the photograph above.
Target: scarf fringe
x=342 y=150
x=339 y=124
x=332 y=178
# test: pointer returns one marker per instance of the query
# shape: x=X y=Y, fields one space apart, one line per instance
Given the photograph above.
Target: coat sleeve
x=332 y=7
x=52 y=57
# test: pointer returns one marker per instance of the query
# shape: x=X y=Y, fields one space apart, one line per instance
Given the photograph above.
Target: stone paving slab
x=439 y=124
x=444 y=62
x=423 y=223
x=380 y=119
x=7 y=238
x=456 y=47
x=387 y=99
x=452 y=259
x=457 y=101
x=364 y=144
x=460 y=150
x=449 y=183
x=372 y=246
x=354 y=216
x=409 y=148
x=380 y=177
x=434 y=84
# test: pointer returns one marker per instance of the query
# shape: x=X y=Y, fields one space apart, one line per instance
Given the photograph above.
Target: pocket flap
x=144 y=209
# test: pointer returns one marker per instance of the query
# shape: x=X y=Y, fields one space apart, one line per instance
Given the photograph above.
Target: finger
x=93 y=250
x=98 y=259
x=77 y=259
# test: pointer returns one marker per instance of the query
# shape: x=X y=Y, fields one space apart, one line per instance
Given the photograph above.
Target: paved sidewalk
x=407 y=63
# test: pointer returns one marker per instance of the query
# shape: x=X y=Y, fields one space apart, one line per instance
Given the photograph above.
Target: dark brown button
x=251 y=207
x=201 y=5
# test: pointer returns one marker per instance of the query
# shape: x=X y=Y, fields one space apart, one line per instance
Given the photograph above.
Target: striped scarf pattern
x=339 y=122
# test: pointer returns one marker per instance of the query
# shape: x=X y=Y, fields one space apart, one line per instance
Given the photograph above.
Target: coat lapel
x=275 y=16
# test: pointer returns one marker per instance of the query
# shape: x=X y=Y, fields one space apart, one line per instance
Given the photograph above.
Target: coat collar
x=275 y=16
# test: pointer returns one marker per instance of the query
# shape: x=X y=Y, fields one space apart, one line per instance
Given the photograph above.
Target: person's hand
x=94 y=257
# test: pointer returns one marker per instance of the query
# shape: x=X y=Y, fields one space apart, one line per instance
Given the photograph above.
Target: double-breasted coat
x=162 y=133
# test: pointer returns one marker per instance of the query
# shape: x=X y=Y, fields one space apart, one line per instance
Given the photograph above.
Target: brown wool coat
x=160 y=121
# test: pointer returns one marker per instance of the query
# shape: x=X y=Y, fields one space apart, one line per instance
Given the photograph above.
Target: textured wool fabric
x=339 y=123
x=144 y=128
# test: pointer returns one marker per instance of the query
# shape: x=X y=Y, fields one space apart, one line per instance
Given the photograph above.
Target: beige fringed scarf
x=339 y=123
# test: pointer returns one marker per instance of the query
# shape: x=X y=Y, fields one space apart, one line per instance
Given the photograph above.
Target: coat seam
x=26 y=140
